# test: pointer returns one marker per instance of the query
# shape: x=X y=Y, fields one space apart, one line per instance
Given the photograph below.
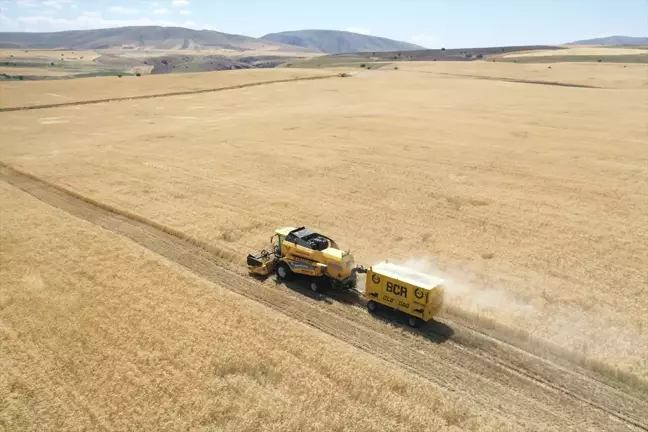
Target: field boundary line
x=512 y=80
x=158 y=95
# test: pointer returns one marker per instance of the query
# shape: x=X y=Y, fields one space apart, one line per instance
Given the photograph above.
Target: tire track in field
x=179 y=93
x=519 y=387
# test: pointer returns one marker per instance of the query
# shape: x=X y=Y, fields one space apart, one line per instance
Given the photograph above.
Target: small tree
x=395 y=67
x=442 y=49
x=52 y=64
x=21 y=77
x=164 y=62
x=119 y=75
x=599 y=60
x=138 y=73
x=480 y=56
x=363 y=65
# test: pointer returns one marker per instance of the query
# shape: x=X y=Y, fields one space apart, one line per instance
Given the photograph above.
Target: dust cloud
x=602 y=335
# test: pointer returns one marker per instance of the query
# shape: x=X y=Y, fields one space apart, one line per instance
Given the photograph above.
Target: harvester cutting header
x=302 y=251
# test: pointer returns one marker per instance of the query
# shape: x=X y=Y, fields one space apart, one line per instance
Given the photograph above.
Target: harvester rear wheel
x=372 y=306
x=283 y=271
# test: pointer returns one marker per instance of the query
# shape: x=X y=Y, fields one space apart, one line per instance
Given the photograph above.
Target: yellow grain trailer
x=417 y=294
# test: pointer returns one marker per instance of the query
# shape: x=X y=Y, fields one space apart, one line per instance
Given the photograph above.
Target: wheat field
x=581 y=51
x=16 y=71
x=530 y=199
x=603 y=75
x=99 y=334
x=86 y=55
x=532 y=194
x=21 y=94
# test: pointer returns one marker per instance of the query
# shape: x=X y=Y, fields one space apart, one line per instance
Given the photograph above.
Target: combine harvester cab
x=417 y=294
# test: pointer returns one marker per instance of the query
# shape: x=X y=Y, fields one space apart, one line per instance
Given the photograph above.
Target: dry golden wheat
x=97 y=333
x=530 y=197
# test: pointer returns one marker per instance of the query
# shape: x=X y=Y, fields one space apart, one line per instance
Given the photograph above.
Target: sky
x=430 y=23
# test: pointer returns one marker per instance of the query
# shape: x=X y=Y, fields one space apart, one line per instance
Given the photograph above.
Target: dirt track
x=521 y=388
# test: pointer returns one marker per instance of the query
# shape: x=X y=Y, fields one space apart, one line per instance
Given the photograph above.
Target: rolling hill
x=334 y=41
x=613 y=40
x=151 y=37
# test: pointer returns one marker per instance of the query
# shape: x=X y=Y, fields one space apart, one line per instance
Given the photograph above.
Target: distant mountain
x=335 y=41
x=151 y=37
x=613 y=40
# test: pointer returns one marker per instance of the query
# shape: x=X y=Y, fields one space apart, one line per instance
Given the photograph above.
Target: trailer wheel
x=283 y=271
x=315 y=285
x=413 y=321
x=372 y=306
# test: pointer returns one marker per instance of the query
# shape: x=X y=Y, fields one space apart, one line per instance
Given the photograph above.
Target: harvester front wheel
x=372 y=306
x=283 y=271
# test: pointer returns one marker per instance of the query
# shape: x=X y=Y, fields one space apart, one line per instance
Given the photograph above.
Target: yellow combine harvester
x=306 y=252
x=302 y=251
